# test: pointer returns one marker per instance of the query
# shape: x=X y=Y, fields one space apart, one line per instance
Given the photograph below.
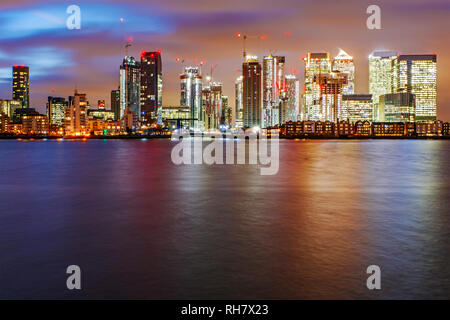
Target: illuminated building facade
x=343 y=63
x=9 y=106
x=56 y=110
x=115 y=103
x=130 y=78
x=329 y=104
x=316 y=64
x=251 y=92
x=21 y=85
x=75 y=122
x=357 y=107
x=417 y=74
x=151 y=85
x=129 y=120
x=4 y=120
x=35 y=125
x=397 y=107
x=239 y=103
x=382 y=74
x=227 y=113
x=273 y=80
x=191 y=95
x=291 y=105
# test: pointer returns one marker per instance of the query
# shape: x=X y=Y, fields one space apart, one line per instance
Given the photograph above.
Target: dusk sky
x=35 y=34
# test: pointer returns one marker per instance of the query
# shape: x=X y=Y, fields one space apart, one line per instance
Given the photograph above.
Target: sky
x=34 y=33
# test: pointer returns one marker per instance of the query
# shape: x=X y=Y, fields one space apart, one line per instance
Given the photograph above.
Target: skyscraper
x=191 y=95
x=417 y=74
x=151 y=84
x=315 y=64
x=397 y=107
x=382 y=74
x=273 y=84
x=344 y=63
x=239 y=105
x=21 y=85
x=115 y=103
x=251 y=83
x=330 y=96
x=130 y=79
x=56 y=109
x=292 y=104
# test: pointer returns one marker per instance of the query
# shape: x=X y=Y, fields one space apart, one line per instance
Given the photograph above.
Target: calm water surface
x=141 y=227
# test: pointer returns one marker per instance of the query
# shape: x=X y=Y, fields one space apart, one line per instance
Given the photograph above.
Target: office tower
x=292 y=105
x=251 y=88
x=357 y=107
x=273 y=84
x=329 y=97
x=397 y=107
x=239 y=103
x=130 y=78
x=56 y=110
x=115 y=103
x=227 y=113
x=417 y=75
x=151 y=85
x=8 y=107
x=35 y=124
x=344 y=63
x=75 y=122
x=382 y=74
x=21 y=85
x=191 y=95
x=315 y=64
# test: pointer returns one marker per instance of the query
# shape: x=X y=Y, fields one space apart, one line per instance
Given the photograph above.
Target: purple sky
x=35 y=34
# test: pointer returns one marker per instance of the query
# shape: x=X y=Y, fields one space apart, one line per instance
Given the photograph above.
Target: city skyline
x=62 y=59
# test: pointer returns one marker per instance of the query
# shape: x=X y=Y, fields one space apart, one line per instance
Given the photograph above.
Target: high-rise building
x=76 y=121
x=251 y=88
x=344 y=63
x=273 y=84
x=130 y=79
x=292 y=105
x=397 y=107
x=227 y=113
x=239 y=103
x=115 y=103
x=357 y=107
x=151 y=85
x=56 y=110
x=315 y=65
x=417 y=74
x=330 y=96
x=191 y=95
x=21 y=85
x=212 y=105
x=382 y=74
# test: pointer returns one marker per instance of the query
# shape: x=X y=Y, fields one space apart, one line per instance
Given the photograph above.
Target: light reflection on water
x=141 y=227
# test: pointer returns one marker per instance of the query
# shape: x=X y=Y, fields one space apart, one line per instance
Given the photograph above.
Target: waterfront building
x=251 y=87
x=345 y=128
x=56 y=110
x=343 y=63
x=363 y=128
x=21 y=112
x=357 y=107
x=429 y=128
x=129 y=121
x=75 y=122
x=417 y=74
x=4 y=120
x=396 y=107
x=151 y=85
x=389 y=129
x=21 y=85
x=191 y=95
x=130 y=82
x=35 y=124
x=382 y=74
